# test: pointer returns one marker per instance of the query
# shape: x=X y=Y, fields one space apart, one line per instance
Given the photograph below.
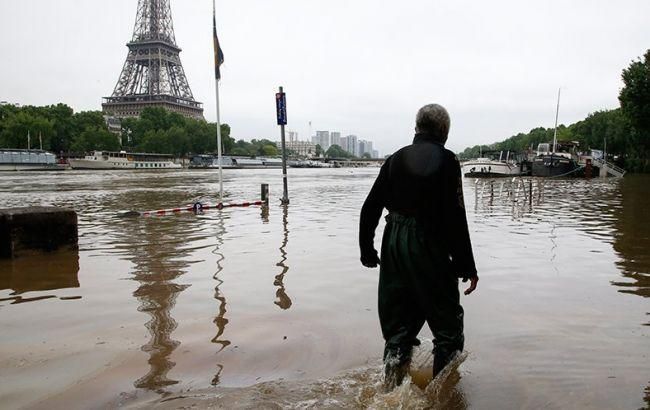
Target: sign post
x=281 y=109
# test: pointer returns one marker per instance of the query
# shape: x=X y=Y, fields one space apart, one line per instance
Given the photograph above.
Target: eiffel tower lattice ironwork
x=152 y=75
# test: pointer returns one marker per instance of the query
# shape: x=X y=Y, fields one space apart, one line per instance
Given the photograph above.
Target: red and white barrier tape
x=199 y=207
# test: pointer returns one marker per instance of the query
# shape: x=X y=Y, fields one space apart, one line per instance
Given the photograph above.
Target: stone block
x=24 y=231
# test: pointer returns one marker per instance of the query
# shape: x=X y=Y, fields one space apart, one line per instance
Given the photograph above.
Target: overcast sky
x=360 y=67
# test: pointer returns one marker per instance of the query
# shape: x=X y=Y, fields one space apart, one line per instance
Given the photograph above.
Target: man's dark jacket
x=422 y=180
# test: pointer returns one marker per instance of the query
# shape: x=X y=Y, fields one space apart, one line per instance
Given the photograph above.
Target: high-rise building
x=344 y=143
x=335 y=138
x=365 y=147
x=375 y=154
x=292 y=136
x=351 y=145
x=361 y=148
x=323 y=138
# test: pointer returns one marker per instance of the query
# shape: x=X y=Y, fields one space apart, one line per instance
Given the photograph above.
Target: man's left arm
x=461 y=246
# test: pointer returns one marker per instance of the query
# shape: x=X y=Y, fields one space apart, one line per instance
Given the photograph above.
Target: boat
x=124 y=160
x=556 y=159
x=206 y=161
x=494 y=164
x=211 y=162
x=309 y=164
x=28 y=160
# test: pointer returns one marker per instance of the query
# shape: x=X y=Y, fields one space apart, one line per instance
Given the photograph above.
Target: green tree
x=61 y=116
x=82 y=121
x=95 y=139
x=226 y=140
x=177 y=139
x=269 y=150
x=16 y=127
x=635 y=95
x=335 y=151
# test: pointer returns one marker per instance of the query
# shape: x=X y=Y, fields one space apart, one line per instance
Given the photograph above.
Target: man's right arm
x=370 y=214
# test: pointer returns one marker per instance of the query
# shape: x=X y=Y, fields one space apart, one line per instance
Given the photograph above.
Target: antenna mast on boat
x=557 y=113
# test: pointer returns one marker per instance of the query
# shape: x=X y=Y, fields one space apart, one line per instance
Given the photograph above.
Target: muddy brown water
x=270 y=308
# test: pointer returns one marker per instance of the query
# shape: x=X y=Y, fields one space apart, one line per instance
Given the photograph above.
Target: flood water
x=270 y=308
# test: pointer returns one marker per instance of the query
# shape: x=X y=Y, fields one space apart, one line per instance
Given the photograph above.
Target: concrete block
x=29 y=230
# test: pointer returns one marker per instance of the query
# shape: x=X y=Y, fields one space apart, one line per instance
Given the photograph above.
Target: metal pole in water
x=218 y=59
x=265 y=193
x=281 y=107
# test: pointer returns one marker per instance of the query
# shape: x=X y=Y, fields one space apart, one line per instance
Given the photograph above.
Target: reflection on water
x=613 y=210
x=516 y=197
x=632 y=239
x=158 y=262
x=220 y=320
x=158 y=297
x=283 y=300
x=39 y=273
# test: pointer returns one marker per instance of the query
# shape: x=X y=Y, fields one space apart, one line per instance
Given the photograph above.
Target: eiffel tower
x=152 y=75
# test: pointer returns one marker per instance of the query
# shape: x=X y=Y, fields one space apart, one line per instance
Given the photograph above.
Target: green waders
x=416 y=285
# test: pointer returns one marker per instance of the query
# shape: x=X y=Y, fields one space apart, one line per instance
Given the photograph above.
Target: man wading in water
x=425 y=247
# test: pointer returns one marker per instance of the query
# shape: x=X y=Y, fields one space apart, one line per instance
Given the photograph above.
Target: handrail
x=611 y=168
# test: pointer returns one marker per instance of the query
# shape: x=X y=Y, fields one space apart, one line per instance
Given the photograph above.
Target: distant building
x=303 y=148
x=335 y=138
x=365 y=147
x=292 y=135
x=375 y=154
x=114 y=124
x=323 y=138
x=351 y=144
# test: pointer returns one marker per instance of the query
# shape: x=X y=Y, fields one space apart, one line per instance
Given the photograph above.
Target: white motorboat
x=494 y=164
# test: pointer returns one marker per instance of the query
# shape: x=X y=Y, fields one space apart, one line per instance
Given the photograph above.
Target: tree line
x=626 y=130
x=57 y=128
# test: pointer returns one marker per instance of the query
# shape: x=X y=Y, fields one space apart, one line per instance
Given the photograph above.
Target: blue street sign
x=281 y=108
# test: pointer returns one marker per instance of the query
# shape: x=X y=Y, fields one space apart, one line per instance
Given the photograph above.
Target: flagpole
x=219 y=153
